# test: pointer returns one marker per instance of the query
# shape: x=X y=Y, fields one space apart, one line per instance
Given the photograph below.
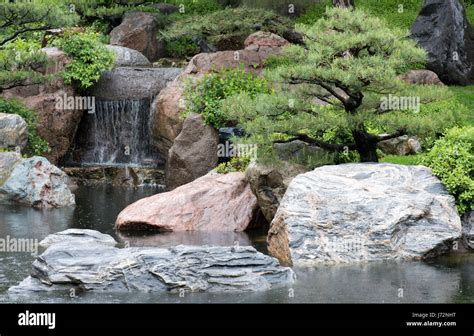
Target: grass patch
x=407 y=160
x=465 y=95
x=397 y=13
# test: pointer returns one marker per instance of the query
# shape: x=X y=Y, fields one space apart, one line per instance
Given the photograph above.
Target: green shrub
x=236 y=164
x=90 y=58
x=36 y=144
x=226 y=29
x=182 y=47
x=206 y=97
x=452 y=160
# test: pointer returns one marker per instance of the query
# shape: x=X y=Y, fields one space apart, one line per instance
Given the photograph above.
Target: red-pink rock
x=425 y=77
x=214 y=202
x=267 y=39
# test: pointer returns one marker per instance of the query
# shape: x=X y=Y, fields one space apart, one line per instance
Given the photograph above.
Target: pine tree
x=336 y=81
x=20 y=18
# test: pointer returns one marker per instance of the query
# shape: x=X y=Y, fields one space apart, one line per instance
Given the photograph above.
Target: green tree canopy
x=337 y=80
x=19 y=18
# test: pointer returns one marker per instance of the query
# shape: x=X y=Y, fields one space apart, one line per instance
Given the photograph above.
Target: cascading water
x=117 y=134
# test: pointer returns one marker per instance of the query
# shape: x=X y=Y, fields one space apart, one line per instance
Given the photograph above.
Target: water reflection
x=444 y=280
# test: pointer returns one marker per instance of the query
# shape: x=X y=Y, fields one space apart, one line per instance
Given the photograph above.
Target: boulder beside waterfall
x=139 y=31
x=166 y=112
x=34 y=181
x=214 y=202
x=363 y=212
x=132 y=83
x=97 y=266
x=193 y=154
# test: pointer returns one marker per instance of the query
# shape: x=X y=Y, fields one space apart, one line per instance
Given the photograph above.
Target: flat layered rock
x=99 y=267
x=363 y=212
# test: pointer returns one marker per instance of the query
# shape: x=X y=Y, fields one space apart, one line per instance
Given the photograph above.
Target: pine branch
x=325 y=145
x=397 y=134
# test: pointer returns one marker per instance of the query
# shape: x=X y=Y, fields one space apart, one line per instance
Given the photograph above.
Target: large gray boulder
x=363 y=212
x=193 y=154
x=139 y=31
x=13 y=131
x=100 y=267
x=36 y=182
x=128 y=57
x=444 y=31
x=133 y=83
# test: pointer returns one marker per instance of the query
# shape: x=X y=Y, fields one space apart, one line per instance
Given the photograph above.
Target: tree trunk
x=343 y=3
x=366 y=147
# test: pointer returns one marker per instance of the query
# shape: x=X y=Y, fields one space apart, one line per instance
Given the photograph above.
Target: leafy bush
x=36 y=144
x=89 y=56
x=206 y=97
x=226 y=29
x=236 y=164
x=452 y=160
x=182 y=47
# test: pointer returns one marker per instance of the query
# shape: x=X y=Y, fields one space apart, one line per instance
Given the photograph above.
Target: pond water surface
x=448 y=279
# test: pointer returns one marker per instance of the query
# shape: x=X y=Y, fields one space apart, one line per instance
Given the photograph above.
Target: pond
x=447 y=279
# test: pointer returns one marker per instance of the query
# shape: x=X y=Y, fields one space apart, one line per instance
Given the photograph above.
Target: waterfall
x=118 y=133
